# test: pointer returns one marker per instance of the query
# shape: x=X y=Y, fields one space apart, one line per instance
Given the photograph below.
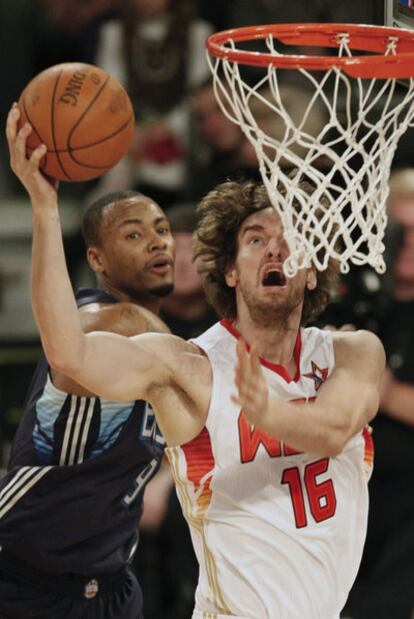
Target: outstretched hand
x=253 y=393
x=42 y=190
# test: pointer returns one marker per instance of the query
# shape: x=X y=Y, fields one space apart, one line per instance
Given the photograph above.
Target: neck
x=146 y=301
x=276 y=342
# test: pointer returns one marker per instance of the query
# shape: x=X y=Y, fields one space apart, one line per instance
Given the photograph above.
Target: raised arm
x=346 y=402
x=107 y=364
x=124 y=318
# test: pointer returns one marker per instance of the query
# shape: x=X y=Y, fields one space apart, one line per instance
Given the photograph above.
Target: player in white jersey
x=277 y=532
x=273 y=478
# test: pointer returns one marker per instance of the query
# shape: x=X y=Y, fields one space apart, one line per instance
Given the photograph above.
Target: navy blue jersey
x=72 y=496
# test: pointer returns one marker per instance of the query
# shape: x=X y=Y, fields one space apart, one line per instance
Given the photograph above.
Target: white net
x=341 y=137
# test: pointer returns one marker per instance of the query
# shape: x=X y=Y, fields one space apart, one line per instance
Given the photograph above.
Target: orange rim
x=369 y=38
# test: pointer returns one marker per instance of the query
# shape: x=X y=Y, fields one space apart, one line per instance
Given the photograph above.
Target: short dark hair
x=92 y=217
x=221 y=213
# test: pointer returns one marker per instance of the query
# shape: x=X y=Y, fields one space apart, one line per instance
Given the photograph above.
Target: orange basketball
x=83 y=116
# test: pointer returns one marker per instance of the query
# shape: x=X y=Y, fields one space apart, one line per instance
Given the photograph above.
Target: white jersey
x=278 y=534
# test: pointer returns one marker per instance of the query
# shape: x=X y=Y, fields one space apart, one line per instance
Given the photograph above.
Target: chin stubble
x=266 y=315
x=162 y=291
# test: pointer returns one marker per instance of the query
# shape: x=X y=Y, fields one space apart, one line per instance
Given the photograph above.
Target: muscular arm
x=345 y=403
x=123 y=318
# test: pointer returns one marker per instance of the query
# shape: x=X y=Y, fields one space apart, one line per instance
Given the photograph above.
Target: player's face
x=136 y=256
x=257 y=275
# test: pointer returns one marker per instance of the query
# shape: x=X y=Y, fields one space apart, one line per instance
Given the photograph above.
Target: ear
x=95 y=260
x=311 y=279
x=231 y=277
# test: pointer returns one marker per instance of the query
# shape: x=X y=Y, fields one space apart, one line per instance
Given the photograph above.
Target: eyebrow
x=255 y=227
x=136 y=220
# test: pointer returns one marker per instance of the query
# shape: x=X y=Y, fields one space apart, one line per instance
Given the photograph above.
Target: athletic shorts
x=20 y=600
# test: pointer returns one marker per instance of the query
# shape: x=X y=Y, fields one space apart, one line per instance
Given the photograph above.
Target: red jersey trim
x=198 y=454
x=275 y=367
x=369 y=450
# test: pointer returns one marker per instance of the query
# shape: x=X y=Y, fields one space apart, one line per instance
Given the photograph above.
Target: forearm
x=79 y=356
x=53 y=301
x=345 y=403
x=305 y=426
x=397 y=401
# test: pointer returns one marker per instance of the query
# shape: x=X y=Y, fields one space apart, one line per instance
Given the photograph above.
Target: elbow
x=334 y=444
x=339 y=435
x=62 y=361
x=62 y=366
x=336 y=438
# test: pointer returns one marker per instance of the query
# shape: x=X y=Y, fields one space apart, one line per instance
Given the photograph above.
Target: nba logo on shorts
x=91 y=589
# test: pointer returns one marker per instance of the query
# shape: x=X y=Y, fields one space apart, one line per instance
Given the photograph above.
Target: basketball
x=83 y=116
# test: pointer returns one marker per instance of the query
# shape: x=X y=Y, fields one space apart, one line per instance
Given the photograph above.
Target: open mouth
x=160 y=265
x=274 y=277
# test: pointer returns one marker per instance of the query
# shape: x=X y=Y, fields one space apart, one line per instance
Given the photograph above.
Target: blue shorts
x=20 y=599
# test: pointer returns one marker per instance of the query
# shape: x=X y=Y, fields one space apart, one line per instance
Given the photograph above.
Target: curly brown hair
x=221 y=212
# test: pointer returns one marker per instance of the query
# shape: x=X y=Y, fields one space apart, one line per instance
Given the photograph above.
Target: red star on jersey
x=318 y=375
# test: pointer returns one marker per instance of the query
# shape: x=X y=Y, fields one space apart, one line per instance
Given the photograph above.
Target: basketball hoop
x=366 y=114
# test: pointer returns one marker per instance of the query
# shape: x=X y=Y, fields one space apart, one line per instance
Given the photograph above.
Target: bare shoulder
x=360 y=340
x=124 y=318
x=181 y=365
x=361 y=349
x=171 y=347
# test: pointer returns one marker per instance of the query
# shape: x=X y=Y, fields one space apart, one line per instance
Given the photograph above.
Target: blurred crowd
x=183 y=146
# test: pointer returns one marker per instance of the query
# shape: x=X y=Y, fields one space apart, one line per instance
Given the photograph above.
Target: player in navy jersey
x=72 y=496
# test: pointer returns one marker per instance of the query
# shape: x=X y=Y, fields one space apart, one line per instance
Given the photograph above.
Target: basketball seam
x=90 y=165
x=90 y=144
x=81 y=117
x=70 y=150
x=53 y=124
